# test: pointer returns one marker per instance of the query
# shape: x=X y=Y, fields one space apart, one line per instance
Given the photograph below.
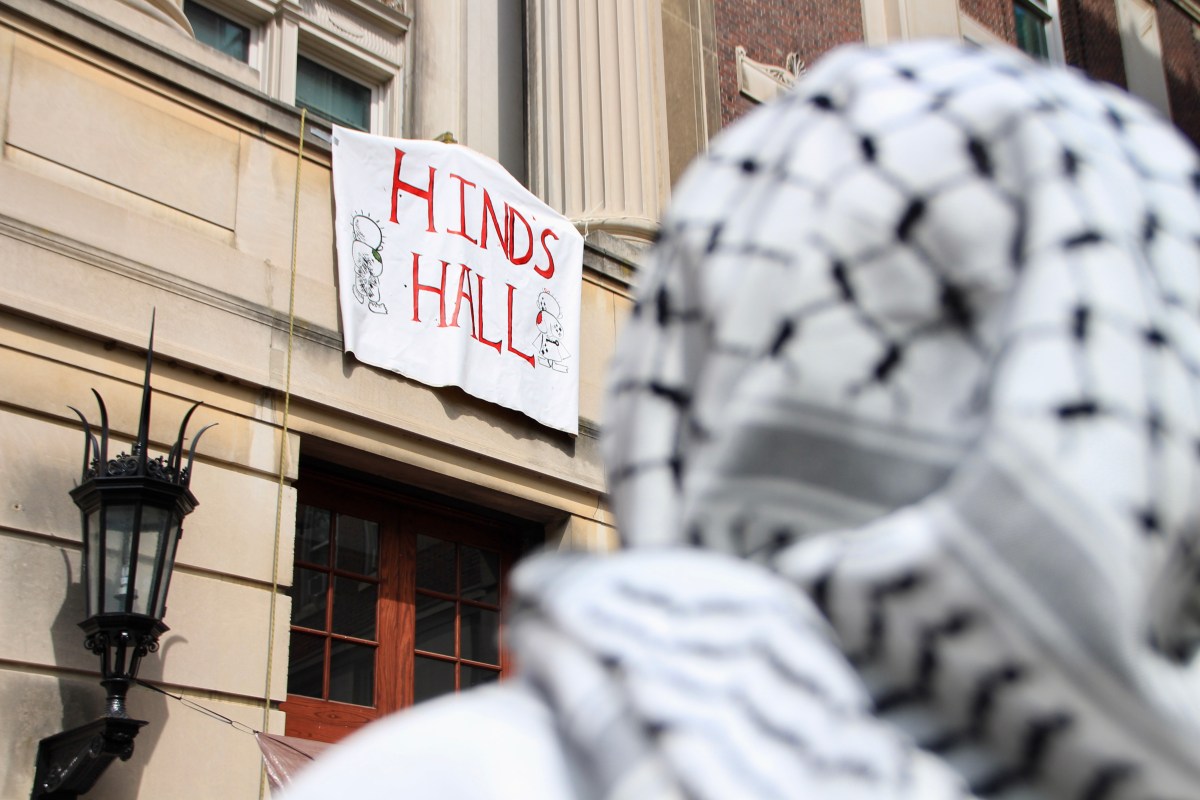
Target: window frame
x=383 y=78
x=363 y=40
x=401 y=518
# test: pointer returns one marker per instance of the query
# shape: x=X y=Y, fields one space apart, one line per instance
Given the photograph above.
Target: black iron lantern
x=132 y=508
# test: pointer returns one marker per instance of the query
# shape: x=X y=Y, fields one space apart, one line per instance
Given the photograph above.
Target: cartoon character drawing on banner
x=368 y=262
x=550 y=349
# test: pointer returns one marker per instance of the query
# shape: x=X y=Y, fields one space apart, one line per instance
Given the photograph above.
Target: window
x=1032 y=23
x=456 y=644
x=218 y=31
x=395 y=600
x=341 y=59
x=332 y=95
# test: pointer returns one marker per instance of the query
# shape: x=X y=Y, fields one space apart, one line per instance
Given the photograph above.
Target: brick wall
x=1092 y=40
x=1181 y=63
x=995 y=15
x=770 y=29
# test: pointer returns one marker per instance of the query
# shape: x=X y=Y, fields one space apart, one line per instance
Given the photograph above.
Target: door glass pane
x=312 y=535
x=354 y=607
x=432 y=678
x=309 y=598
x=435 y=565
x=306 y=664
x=480 y=575
x=352 y=673
x=476 y=676
x=435 y=625
x=358 y=545
x=480 y=634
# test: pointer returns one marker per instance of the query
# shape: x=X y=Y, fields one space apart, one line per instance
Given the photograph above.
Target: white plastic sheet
x=285 y=756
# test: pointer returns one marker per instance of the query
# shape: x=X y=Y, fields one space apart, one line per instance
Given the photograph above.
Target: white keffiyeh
x=903 y=446
x=921 y=338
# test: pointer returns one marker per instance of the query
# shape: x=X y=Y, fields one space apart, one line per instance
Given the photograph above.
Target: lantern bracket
x=69 y=763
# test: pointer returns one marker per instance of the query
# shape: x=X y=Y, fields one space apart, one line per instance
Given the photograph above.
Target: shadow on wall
x=81 y=698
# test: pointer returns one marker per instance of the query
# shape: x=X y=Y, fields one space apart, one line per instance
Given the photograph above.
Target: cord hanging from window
x=283 y=443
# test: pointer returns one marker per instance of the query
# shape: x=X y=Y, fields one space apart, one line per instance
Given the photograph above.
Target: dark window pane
x=1031 y=31
x=435 y=625
x=333 y=96
x=480 y=575
x=432 y=678
x=354 y=607
x=435 y=565
x=312 y=535
x=476 y=676
x=309 y=598
x=352 y=673
x=306 y=664
x=357 y=545
x=480 y=634
x=218 y=31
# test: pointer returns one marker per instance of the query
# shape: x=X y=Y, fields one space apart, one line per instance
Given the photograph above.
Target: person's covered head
x=940 y=292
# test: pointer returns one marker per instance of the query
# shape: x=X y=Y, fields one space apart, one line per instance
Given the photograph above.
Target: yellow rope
x=283 y=447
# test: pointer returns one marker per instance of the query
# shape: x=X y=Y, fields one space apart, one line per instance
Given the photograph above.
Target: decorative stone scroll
x=761 y=82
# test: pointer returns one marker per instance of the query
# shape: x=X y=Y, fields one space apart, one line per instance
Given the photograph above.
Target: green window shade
x=333 y=96
x=218 y=32
x=1031 y=31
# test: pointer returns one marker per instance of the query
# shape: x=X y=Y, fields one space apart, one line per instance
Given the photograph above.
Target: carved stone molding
x=761 y=82
x=168 y=12
x=343 y=23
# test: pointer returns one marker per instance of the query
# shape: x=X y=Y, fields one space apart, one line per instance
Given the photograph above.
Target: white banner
x=451 y=273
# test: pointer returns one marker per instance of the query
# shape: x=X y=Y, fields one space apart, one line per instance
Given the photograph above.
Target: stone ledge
x=90 y=32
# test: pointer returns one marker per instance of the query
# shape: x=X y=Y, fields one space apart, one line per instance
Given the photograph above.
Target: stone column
x=598 y=124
